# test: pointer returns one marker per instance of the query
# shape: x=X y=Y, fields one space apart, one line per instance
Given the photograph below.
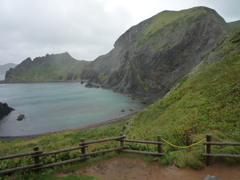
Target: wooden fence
x=208 y=154
x=36 y=153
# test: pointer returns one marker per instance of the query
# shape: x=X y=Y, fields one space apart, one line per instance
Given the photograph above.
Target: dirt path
x=129 y=169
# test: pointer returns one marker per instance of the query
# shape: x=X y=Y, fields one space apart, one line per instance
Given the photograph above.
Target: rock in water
x=4 y=110
x=92 y=85
x=21 y=117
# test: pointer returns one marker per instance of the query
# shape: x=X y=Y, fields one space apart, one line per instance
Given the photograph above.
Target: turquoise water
x=58 y=106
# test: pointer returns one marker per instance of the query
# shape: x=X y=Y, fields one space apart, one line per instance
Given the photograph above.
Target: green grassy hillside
x=172 y=20
x=59 y=67
x=204 y=102
x=234 y=24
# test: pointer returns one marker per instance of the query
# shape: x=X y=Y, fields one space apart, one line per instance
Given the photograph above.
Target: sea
x=50 y=107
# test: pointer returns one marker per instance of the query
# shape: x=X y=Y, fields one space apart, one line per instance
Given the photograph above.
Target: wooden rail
x=36 y=153
x=208 y=154
x=37 y=164
x=158 y=142
x=18 y=155
x=59 y=151
x=102 y=140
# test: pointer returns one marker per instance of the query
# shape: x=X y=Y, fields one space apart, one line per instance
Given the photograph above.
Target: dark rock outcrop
x=92 y=85
x=4 y=109
x=149 y=58
x=21 y=117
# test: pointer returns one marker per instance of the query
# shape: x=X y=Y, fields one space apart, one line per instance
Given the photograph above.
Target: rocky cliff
x=4 y=110
x=58 y=67
x=149 y=58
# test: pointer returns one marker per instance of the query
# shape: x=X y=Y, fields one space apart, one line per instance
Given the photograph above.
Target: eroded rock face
x=149 y=58
x=4 y=110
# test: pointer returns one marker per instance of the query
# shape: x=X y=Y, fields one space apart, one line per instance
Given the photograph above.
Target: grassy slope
x=234 y=24
x=206 y=102
x=174 y=19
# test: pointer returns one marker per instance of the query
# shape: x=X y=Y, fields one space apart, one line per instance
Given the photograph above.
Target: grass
x=207 y=102
x=169 y=20
x=144 y=84
x=234 y=24
x=102 y=76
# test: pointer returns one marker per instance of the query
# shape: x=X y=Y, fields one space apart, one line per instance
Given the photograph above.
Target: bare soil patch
x=121 y=168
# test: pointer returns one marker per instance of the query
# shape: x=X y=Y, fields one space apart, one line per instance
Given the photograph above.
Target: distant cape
x=55 y=67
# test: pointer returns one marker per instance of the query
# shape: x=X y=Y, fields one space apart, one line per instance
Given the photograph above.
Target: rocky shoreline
x=4 y=109
x=28 y=137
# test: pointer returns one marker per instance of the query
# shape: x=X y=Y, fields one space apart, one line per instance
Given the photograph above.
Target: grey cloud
x=35 y=28
x=32 y=28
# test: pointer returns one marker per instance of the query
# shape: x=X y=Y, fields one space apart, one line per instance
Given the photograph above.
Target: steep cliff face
x=48 y=68
x=149 y=58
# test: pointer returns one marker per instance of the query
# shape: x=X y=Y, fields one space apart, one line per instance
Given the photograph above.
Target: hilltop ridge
x=55 y=67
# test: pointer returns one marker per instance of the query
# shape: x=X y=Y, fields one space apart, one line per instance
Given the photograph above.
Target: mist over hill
x=6 y=67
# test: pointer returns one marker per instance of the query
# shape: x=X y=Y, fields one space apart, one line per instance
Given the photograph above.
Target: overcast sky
x=84 y=28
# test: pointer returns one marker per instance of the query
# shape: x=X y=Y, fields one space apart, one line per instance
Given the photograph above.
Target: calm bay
x=52 y=107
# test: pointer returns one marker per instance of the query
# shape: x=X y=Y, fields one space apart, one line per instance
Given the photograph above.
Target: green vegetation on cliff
x=234 y=24
x=59 y=67
x=171 y=20
x=102 y=76
x=206 y=103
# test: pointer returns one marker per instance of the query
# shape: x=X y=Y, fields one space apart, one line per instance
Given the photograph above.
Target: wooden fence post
x=121 y=142
x=36 y=159
x=83 y=150
x=208 y=150
x=82 y=143
x=159 y=139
